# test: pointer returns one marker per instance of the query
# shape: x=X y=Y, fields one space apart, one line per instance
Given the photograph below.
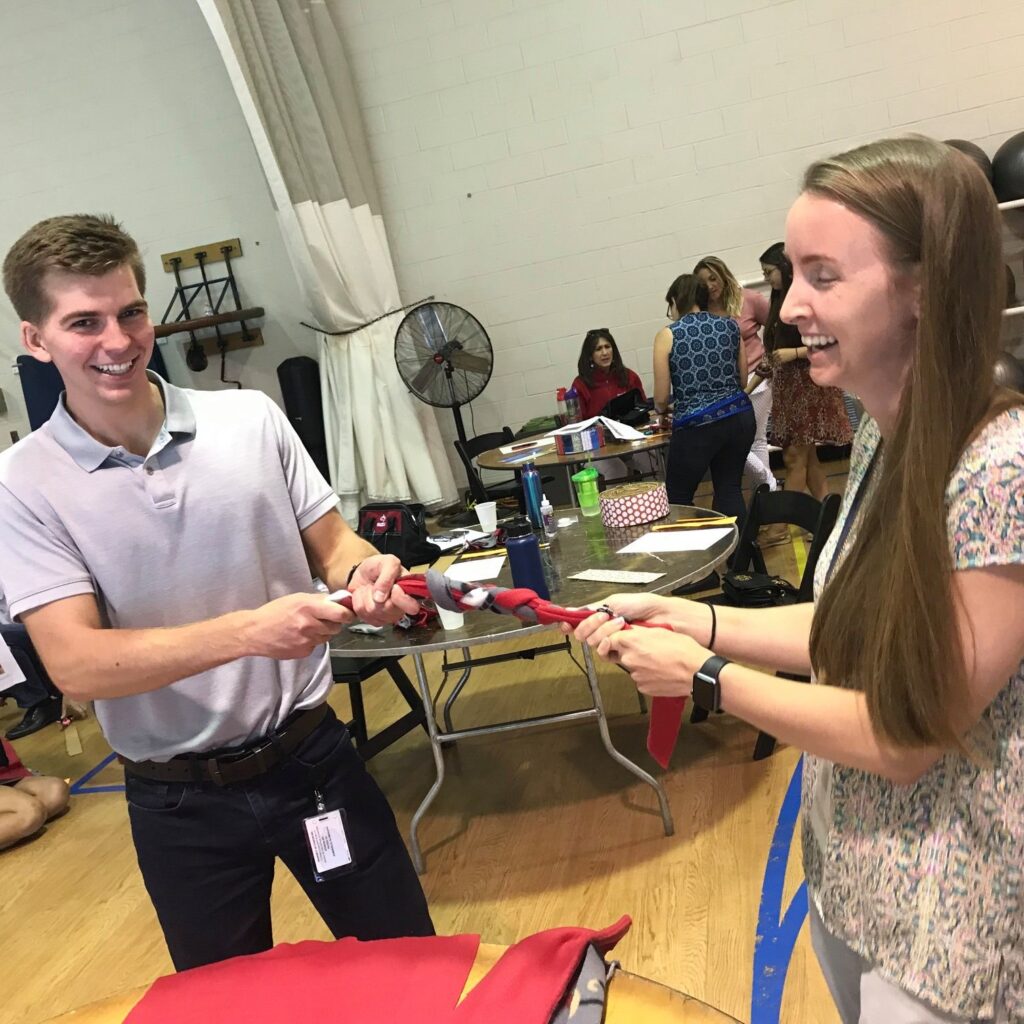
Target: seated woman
x=602 y=375
x=698 y=358
x=27 y=801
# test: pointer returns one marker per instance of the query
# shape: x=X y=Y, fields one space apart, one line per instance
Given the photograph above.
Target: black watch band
x=707 y=690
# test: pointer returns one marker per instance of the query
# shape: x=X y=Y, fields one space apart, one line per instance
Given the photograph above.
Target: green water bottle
x=586 y=491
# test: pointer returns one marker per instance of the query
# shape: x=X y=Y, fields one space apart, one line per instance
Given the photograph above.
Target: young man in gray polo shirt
x=159 y=545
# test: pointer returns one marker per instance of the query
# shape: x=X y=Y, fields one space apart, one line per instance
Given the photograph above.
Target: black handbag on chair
x=758 y=590
x=400 y=529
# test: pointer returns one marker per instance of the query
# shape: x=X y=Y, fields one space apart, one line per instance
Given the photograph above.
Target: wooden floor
x=530 y=831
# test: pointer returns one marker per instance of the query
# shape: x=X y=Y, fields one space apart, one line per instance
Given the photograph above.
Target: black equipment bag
x=400 y=529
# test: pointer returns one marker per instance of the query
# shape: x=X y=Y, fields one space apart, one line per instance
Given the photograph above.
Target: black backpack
x=400 y=529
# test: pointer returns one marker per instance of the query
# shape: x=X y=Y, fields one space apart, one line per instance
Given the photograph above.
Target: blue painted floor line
x=777 y=929
x=79 y=787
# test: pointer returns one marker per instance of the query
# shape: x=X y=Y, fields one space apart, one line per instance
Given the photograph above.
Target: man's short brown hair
x=79 y=243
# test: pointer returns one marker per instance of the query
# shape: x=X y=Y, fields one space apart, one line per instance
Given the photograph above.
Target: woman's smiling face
x=856 y=311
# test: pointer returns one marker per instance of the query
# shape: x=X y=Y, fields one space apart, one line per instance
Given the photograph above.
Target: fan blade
x=470 y=363
x=426 y=372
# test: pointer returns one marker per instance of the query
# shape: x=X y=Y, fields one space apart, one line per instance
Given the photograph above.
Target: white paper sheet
x=620 y=431
x=10 y=674
x=676 y=540
x=545 y=441
x=616 y=576
x=476 y=569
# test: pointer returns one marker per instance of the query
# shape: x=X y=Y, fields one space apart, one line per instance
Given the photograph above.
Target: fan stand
x=460 y=427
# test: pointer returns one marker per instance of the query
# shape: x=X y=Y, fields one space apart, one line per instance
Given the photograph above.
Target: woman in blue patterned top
x=698 y=358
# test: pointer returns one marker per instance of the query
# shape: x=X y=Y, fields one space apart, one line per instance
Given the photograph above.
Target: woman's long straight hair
x=886 y=623
x=777 y=333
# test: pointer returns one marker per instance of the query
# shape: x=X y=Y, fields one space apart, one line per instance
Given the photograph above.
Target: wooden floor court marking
x=777 y=930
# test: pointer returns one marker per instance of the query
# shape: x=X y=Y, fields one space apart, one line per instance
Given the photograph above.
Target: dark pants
x=38 y=687
x=207 y=853
x=721 y=447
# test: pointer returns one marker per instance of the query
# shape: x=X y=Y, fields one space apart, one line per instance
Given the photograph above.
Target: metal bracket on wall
x=210 y=294
x=210 y=253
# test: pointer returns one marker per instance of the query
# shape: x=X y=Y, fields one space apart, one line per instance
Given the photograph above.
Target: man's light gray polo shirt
x=207 y=523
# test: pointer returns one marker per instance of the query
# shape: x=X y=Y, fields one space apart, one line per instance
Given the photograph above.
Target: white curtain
x=289 y=70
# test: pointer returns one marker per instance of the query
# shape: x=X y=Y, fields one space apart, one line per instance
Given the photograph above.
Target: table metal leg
x=573 y=503
x=602 y=723
x=435 y=746
x=456 y=690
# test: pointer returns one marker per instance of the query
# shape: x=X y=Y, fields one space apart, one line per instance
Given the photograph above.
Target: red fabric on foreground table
x=408 y=981
x=666 y=712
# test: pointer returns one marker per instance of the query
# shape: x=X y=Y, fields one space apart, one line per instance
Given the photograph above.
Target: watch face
x=705 y=692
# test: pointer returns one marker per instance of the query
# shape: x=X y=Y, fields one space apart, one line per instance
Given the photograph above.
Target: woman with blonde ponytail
x=727 y=297
x=913 y=797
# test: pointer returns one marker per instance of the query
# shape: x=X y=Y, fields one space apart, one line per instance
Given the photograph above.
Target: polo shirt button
x=150 y=470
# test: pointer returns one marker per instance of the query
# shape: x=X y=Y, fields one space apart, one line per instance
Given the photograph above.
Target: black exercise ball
x=1009 y=372
x=1008 y=169
x=975 y=152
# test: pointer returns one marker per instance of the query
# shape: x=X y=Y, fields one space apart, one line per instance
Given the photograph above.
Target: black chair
x=469 y=450
x=792 y=508
x=353 y=672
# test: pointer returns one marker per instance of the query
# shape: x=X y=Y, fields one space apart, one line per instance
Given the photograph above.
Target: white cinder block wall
x=124 y=106
x=552 y=166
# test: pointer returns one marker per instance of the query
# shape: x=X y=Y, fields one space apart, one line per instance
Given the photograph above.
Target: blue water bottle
x=531 y=490
x=524 y=558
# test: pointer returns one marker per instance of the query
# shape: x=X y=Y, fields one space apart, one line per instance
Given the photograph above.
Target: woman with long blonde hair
x=913 y=787
x=749 y=308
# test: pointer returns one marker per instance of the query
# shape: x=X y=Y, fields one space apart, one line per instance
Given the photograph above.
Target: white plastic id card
x=327 y=839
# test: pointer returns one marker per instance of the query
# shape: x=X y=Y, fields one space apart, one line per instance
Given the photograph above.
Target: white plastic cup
x=487 y=515
x=450 y=620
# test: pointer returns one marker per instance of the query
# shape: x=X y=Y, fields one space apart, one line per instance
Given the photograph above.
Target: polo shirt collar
x=90 y=454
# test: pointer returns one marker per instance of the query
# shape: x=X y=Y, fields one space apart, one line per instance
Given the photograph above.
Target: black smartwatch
x=707 y=690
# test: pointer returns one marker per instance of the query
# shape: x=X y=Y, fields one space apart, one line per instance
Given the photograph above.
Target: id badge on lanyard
x=327 y=841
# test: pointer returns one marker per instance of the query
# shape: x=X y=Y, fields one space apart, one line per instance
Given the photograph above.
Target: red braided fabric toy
x=453 y=595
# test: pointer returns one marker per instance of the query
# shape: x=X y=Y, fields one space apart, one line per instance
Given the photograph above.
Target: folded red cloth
x=413 y=980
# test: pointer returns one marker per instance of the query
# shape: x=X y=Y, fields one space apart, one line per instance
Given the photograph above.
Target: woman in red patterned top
x=602 y=375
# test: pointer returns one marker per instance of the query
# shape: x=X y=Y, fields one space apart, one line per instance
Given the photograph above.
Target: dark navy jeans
x=207 y=853
x=722 y=447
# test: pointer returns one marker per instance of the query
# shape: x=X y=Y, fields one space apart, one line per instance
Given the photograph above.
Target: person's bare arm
x=832 y=722
x=662 y=376
x=90 y=662
x=334 y=550
x=778 y=638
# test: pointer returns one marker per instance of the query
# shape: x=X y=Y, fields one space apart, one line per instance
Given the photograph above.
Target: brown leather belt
x=236 y=766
